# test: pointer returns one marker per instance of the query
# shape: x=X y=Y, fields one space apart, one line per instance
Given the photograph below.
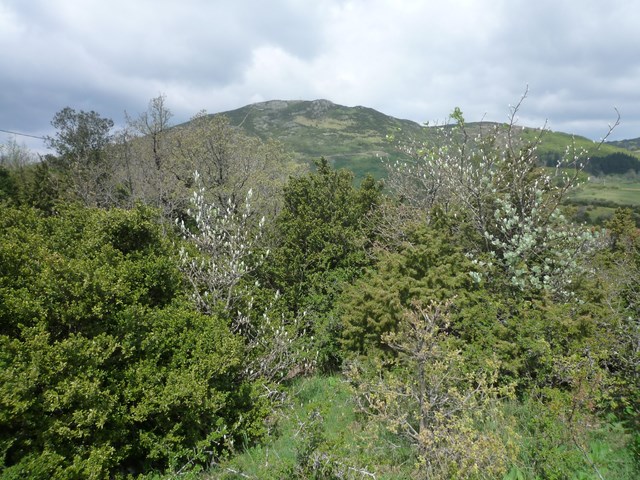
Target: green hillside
x=632 y=144
x=357 y=137
x=349 y=137
x=555 y=143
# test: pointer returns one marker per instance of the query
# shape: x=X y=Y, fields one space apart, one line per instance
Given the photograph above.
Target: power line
x=22 y=134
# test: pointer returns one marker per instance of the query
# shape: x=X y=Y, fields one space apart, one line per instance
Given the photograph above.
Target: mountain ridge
x=349 y=137
x=358 y=138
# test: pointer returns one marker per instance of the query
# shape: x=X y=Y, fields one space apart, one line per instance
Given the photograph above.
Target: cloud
x=408 y=58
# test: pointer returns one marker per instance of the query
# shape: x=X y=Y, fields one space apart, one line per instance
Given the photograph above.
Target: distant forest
x=617 y=163
x=613 y=164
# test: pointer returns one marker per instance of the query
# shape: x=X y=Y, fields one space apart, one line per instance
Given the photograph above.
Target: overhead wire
x=22 y=134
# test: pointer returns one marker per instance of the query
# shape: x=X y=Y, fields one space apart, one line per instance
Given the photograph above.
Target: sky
x=577 y=60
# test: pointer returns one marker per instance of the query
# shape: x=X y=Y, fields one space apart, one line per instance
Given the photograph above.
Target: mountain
x=632 y=144
x=358 y=138
x=353 y=137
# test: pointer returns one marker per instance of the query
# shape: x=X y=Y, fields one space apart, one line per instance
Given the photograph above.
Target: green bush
x=429 y=266
x=105 y=368
x=322 y=238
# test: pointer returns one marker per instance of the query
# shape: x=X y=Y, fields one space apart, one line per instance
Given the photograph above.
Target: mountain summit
x=352 y=137
x=357 y=138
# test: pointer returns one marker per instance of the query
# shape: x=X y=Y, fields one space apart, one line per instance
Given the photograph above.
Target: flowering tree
x=226 y=242
x=494 y=180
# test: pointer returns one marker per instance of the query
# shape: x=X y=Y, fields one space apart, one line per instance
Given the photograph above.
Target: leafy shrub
x=494 y=180
x=425 y=395
x=428 y=266
x=105 y=368
x=322 y=237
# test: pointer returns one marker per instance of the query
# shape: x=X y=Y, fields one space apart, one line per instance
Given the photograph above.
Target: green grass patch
x=616 y=190
x=551 y=448
x=319 y=433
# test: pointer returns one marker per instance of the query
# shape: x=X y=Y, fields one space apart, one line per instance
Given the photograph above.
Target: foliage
x=485 y=334
x=15 y=156
x=614 y=163
x=319 y=435
x=24 y=180
x=14 y=162
x=321 y=420
x=425 y=395
x=617 y=282
x=81 y=136
x=321 y=243
x=142 y=150
x=536 y=254
x=8 y=188
x=485 y=321
x=105 y=368
x=429 y=266
x=225 y=243
x=80 y=143
x=539 y=341
x=156 y=163
x=495 y=181
x=231 y=163
x=152 y=161
x=225 y=250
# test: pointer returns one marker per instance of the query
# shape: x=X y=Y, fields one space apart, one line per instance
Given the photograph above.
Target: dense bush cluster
x=155 y=324
x=105 y=368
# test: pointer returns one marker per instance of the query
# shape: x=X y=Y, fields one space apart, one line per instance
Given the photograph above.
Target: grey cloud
x=413 y=60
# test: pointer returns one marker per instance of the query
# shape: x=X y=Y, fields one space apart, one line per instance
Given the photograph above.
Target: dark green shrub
x=105 y=368
x=429 y=267
x=322 y=238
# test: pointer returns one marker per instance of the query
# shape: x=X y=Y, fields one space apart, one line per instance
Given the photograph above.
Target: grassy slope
x=346 y=441
x=614 y=189
x=349 y=137
x=356 y=138
x=557 y=142
x=598 y=198
x=632 y=145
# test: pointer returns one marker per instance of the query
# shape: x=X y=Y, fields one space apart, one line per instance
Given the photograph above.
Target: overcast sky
x=410 y=59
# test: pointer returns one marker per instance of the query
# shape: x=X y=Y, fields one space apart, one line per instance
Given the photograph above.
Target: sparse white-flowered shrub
x=495 y=180
x=226 y=242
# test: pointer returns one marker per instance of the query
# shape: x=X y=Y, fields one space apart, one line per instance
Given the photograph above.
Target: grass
x=319 y=434
x=319 y=422
x=618 y=190
x=557 y=142
x=548 y=448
